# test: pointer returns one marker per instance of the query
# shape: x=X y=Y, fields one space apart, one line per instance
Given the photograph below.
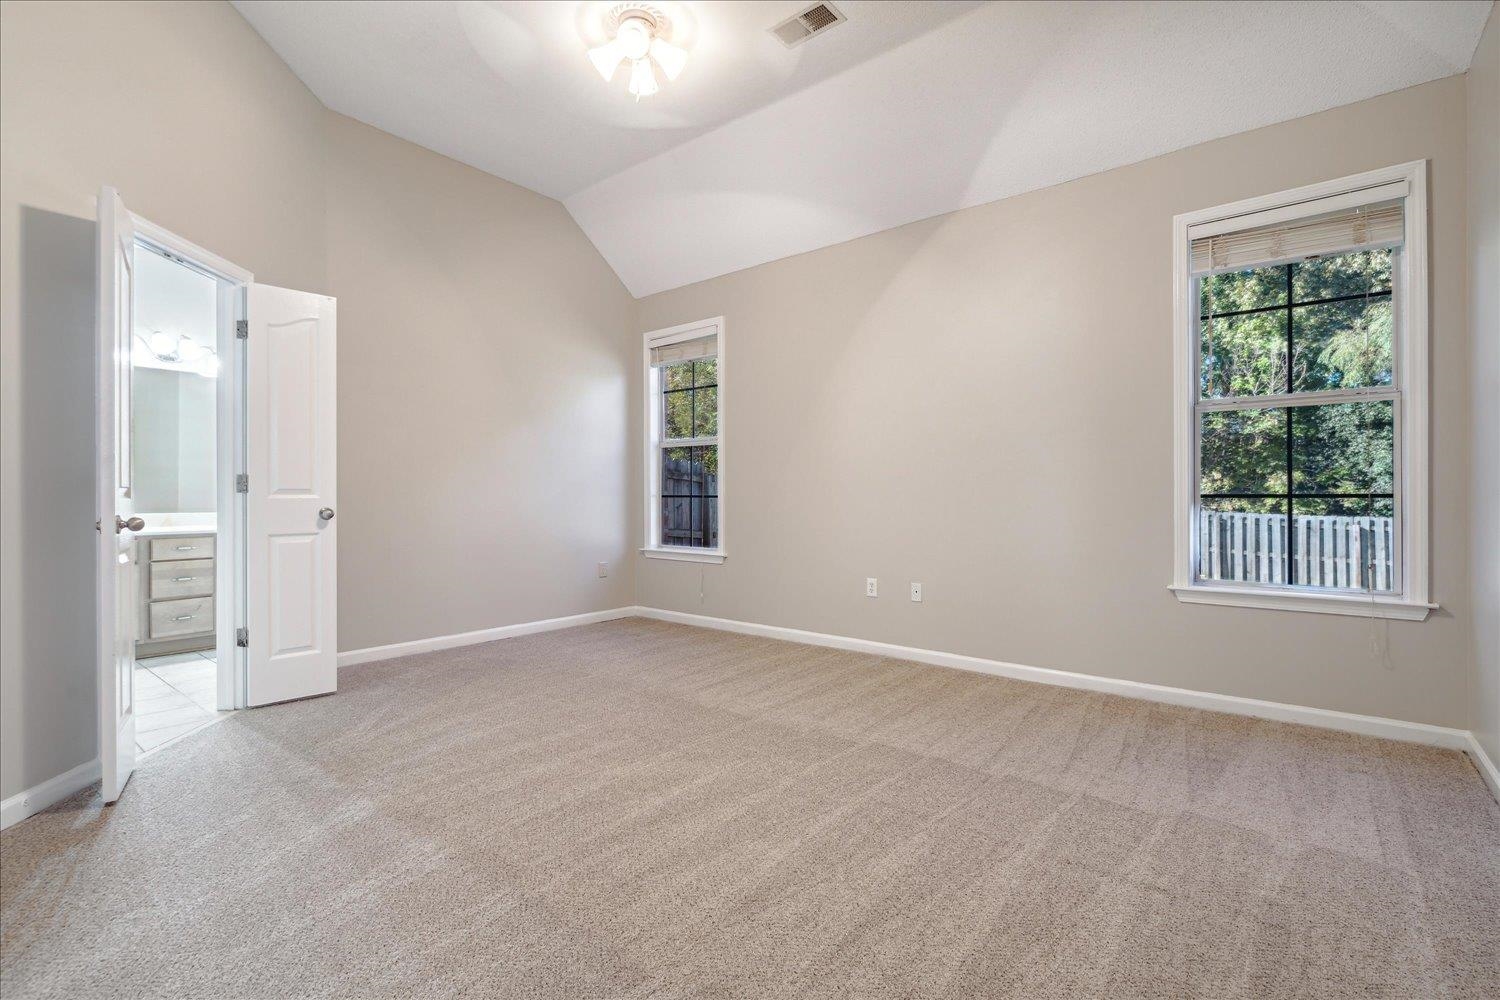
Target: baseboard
x=1486 y=767
x=33 y=800
x=369 y=654
x=50 y=792
x=1364 y=725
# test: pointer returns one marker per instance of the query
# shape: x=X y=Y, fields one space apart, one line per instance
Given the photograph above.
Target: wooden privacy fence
x=690 y=505
x=1355 y=553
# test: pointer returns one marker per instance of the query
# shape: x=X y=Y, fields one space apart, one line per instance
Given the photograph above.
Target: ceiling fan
x=638 y=32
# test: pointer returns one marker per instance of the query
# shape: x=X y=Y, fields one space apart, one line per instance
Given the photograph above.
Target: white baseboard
x=1487 y=769
x=372 y=653
x=1365 y=725
x=34 y=800
x=50 y=792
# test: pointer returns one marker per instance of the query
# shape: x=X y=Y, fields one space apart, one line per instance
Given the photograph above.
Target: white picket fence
x=1355 y=553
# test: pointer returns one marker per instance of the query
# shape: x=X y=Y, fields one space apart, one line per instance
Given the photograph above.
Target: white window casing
x=675 y=345
x=1377 y=209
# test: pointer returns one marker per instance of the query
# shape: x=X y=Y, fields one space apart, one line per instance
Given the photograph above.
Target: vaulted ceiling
x=905 y=111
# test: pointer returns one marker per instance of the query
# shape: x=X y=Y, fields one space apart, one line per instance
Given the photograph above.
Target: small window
x=1305 y=338
x=684 y=390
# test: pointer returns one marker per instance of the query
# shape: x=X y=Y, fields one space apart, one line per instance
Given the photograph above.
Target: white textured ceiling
x=507 y=87
x=908 y=110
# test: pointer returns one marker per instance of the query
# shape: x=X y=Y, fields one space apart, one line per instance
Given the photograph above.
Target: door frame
x=229 y=432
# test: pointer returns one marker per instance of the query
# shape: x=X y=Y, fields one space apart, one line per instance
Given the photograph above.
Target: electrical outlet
x=603 y=570
x=916 y=592
x=871 y=590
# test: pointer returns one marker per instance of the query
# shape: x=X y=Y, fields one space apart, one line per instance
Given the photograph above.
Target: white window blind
x=1365 y=227
x=685 y=350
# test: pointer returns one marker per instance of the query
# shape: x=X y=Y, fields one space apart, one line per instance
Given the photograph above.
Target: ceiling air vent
x=813 y=21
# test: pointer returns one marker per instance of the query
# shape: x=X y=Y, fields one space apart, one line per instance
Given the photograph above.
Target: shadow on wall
x=53 y=561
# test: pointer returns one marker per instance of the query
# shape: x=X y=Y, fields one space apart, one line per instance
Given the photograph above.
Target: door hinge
x=242 y=637
x=242 y=329
x=242 y=483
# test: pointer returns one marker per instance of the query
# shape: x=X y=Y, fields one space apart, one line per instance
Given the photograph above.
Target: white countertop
x=175 y=530
x=177 y=525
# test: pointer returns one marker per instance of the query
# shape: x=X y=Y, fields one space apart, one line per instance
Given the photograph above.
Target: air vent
x=813 y=21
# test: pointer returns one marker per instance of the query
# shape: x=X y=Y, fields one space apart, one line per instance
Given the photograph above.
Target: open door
x=115 y=570
x=291 y=536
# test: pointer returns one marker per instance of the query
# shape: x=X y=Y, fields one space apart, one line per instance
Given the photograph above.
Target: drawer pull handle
x=184 y=618
x=183 y=579
x=186 y=548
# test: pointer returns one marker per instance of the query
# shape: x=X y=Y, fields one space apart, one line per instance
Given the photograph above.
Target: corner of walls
x=484 y=399
x=457 y=289
x=1483 y=114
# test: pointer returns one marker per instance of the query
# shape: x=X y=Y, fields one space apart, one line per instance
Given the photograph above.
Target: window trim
x=1411 y=385
x=654 y=435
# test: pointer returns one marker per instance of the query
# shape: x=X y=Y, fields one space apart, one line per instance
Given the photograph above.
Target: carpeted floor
x=636 y=809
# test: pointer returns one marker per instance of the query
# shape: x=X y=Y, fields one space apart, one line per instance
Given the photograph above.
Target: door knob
x=326 y=513
x=134 y=524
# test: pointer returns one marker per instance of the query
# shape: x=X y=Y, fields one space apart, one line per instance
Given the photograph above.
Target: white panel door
x=115 y=576
x=291 y=608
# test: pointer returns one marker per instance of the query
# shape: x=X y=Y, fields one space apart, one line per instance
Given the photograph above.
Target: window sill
x=1323 y=604
x=686 y=555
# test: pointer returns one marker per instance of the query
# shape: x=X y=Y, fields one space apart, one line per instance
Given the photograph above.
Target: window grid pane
x=690 y=400
x=1316 y=325
x=690 y=496
x=1329 y=466
x=689 y=487
x=1300 y=495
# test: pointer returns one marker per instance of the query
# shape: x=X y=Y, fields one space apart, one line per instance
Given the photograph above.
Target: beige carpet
x=635 y=810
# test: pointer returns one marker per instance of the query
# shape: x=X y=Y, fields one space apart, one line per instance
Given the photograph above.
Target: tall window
x=1299 y=369
x=684 y=373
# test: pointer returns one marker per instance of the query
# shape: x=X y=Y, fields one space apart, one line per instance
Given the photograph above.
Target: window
x=684 y=369
x=1301 y=455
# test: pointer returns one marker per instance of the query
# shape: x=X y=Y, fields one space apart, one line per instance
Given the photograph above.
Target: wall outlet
x=916 y=592
x=871 y=590
x=603 y=570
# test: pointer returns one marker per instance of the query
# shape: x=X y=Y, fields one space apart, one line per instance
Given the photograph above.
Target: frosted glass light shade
x=669 y=57
x=607 y=58
x=642 y=79
x=163 y=345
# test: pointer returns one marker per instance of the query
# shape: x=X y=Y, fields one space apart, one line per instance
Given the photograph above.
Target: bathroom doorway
x=179 y=310
x=239 y=584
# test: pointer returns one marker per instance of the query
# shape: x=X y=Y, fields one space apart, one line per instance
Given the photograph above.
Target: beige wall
x=452 y=284
x=483 y=346
x=1484 y=327
x=983 y=402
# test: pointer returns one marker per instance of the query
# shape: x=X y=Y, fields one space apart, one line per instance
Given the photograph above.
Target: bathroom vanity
x=175 y=574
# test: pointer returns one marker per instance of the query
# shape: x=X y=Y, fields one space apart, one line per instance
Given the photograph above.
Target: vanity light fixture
x=638 y=33
x=180 y=349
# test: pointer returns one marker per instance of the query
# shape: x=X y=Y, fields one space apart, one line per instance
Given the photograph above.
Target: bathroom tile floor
x=174 y=695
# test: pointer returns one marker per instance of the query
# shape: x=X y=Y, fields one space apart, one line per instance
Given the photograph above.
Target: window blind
x=1363 y=228
x=685 y=350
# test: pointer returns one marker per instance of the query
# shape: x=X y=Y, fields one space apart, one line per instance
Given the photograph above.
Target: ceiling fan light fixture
x=607 y=58
x=639 y=35
x=634 y=36
x=642 y=79
x=669 y=57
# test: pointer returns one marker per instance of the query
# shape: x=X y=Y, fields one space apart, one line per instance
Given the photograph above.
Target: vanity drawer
x=184 y=617
x=182 y=578
x=184 y=547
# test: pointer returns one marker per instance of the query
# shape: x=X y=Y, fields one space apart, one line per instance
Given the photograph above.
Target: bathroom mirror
x=174 y=384
x=173 y=441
